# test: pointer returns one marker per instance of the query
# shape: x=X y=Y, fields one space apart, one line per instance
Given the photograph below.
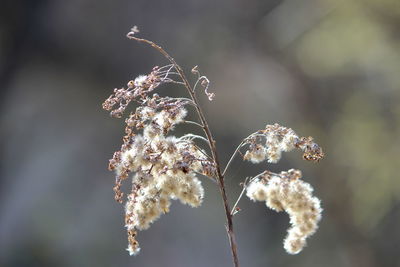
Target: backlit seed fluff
x=295 y=197
x=256 y=155
x=257 y=191
x=275 y=139
x=140 y=80
x=132 y=250
x=164 y=167
x=161 y=167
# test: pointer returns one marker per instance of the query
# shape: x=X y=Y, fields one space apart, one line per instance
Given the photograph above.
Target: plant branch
x=194 y=136
x=234 y=211
x=237 y=150
x=233 y=156
x=211 y=143
x=193 y=122
x=246 y=182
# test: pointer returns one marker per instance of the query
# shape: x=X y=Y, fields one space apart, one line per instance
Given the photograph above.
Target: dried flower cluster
x=164 y=167
x=286 y=192
x=275 y=139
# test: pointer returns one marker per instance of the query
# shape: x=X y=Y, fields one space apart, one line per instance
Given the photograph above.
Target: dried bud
x=135 y=29
x=195 y=70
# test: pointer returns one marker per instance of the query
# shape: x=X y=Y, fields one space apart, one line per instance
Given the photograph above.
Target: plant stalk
x=212 y=145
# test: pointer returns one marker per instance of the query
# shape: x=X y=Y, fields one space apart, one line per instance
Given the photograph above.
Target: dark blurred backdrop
x=326 y=68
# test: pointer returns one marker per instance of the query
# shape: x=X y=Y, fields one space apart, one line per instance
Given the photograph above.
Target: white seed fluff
x=295 y=197
x=164 y=168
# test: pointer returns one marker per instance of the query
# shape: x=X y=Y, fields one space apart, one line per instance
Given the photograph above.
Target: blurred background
x=326 y=68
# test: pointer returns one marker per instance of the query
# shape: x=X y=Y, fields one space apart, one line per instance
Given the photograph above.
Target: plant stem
x=237 y=150
x=211 y=143
x=193 y=122
x=233 y=211
x=232 y=157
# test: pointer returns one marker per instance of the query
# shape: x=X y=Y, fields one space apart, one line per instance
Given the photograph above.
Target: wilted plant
x=164 y=167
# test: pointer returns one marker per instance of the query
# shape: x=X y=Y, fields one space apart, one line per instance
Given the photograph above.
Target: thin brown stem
x=246 y=182
x=233 y=156
x=211 y=143
x=237 y=150
x=194 y=123
x=234 y=210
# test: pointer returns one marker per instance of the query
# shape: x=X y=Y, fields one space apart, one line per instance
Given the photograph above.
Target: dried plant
x=164 y=167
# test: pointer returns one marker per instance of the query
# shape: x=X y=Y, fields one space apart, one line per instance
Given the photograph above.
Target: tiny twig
x=233 y=156
x=198 y=80
x=237 y=150
x=193 y=136
x=167 y=72
x=190 y=101
x=173 y=81
x=193 y=122
x=233 y=211
x=197 y=147
x=246 y=182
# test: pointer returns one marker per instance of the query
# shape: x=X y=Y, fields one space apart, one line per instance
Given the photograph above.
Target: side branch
x=233 y=156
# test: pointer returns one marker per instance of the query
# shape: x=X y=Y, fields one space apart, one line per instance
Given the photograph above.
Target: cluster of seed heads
x=286 y=192
x=270 y=142
x=163 y=167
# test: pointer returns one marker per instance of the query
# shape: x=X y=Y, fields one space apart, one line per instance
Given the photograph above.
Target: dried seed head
x=164 y=167
x=275 y=139
x=256 y=154
x=285 y=191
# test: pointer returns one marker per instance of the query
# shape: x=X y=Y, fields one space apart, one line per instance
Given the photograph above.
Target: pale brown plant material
x=164 y=167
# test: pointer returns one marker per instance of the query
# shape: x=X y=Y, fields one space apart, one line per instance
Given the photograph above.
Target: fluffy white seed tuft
x=287 y=192
x=164 y=168
x=269 y=143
